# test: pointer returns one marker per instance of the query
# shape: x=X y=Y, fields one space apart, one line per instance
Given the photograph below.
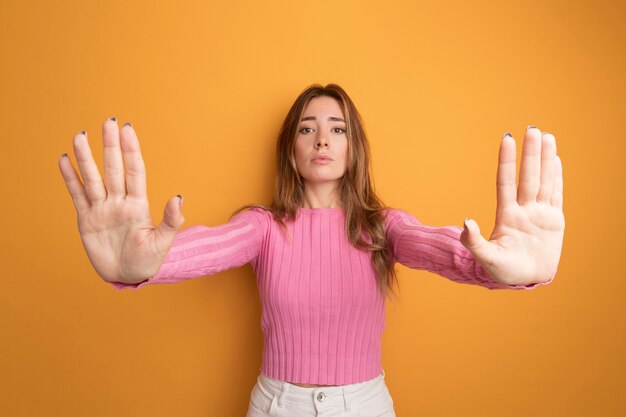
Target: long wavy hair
x=364 y=210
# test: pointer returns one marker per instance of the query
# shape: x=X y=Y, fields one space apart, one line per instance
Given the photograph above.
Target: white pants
x=274 y=398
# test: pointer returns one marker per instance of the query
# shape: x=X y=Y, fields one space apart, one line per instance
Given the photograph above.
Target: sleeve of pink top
x=201 y=250
x=439 y=250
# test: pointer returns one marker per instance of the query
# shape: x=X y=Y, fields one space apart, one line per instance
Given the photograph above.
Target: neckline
x=320 y=209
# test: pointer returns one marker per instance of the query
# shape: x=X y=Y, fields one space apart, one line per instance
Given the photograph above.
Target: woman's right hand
x=114 y=222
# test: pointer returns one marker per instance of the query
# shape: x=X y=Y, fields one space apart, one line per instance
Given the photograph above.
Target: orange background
x=206 y=86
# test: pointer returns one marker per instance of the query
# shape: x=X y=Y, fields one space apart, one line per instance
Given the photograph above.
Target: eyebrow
x=331 y=118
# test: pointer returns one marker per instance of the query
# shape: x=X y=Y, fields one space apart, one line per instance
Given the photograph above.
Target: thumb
x=172 y=218
x=471 y=237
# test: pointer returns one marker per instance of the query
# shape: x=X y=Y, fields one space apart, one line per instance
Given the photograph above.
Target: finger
x=113 y=164
x=548 y=162
x=135 y=166
x=73 y=184
x=472 y=239
x=557 y=191
x=88 y=169
x=530 y=168
x=505 y=179
x=173 y=218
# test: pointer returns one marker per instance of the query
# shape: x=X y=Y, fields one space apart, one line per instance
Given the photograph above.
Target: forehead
x=323 y=105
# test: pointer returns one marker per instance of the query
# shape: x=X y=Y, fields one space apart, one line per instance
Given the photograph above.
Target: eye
x=339 y=130
x=304 y=130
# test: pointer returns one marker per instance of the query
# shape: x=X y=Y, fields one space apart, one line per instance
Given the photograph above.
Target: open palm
x=525 y=245
x=114 y=222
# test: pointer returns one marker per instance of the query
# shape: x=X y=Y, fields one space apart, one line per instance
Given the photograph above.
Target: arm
x=201 y=250
x=438 y=250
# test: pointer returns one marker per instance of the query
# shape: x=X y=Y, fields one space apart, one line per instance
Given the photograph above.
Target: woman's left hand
x=525 y=245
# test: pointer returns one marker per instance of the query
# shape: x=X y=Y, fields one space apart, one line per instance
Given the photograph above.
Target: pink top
x=322 y=314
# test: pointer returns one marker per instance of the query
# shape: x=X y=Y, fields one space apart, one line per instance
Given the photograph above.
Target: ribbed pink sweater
x=322 y=314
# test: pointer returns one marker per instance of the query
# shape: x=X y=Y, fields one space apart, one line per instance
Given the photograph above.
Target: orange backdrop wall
x=206 y=86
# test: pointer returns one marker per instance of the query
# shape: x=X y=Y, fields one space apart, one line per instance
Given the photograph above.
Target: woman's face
x=321 y=132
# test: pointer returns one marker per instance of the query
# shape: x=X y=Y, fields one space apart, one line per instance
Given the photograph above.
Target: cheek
x=300 y=156
x=344 y=152
x=298 y=152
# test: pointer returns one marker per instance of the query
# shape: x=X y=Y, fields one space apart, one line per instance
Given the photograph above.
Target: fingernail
x=65 y=154
x=180 y=204
x=506 y=134
x=113 y=118
x=83 y=132
x=127 y=123
x=531 y=127
x=465 y=225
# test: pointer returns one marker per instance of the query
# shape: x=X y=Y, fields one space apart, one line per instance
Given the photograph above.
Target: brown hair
x=364 y=211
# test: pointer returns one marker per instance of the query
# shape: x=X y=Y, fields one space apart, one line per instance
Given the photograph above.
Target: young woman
x=323 y=251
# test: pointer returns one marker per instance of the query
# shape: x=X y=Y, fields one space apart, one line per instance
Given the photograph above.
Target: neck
x=321 y=195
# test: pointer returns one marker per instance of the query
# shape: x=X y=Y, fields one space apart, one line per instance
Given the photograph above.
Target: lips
x=322 y=158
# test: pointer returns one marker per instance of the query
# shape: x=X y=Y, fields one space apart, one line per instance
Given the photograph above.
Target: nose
x=321 y=142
